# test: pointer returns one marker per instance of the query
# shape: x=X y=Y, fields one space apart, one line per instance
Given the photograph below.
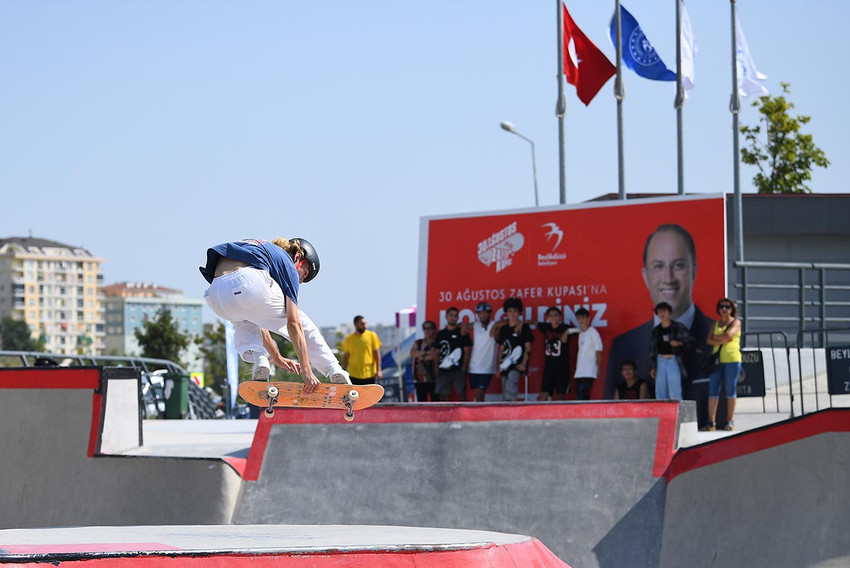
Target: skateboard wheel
x=273 y=391
x=349 y=416
x=353 y=395
x=269 y=412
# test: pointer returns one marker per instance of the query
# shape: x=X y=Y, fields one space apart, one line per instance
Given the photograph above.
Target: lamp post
x=507 y=126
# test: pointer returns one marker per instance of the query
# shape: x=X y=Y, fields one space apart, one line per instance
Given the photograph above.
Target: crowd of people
x=467 y=357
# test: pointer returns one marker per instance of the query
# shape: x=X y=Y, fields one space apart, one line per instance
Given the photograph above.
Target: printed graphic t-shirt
x=513 y=345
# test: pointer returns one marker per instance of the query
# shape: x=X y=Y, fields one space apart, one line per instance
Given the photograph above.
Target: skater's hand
x=291 y=365
x=311 y=383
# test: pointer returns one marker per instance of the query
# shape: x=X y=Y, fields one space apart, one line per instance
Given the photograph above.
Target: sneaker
x=729 y=426
x=340 y=378
x=262 y=369
x=708 y=427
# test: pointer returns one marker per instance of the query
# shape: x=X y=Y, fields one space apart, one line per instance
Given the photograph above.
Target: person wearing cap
x=669 y=342
x=482 y=361
x=254 y=284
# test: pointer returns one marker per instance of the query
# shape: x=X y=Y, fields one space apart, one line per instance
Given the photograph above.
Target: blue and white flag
x=749 y=79
x=638 y=53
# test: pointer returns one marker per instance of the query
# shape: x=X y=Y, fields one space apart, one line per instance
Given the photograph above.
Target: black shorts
x=556 y=379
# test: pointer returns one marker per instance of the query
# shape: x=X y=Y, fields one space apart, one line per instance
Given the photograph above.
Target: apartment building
x=54 y=288
x=127 y=304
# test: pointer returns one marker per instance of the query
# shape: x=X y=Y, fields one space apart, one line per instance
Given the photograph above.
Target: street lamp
x=512 y=129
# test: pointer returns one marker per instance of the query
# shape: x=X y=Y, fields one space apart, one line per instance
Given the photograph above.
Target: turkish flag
x=584 y=65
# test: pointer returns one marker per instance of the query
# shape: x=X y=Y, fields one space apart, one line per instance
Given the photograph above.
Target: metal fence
x=793 y=297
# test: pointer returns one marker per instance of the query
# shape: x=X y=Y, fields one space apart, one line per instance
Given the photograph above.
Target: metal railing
x=793 y=296
x=33 y=359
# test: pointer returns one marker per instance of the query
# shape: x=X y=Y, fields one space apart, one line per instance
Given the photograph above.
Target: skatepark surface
x=598 y=484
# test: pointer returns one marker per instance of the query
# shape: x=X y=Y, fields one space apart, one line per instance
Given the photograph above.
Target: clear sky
x=148 y=130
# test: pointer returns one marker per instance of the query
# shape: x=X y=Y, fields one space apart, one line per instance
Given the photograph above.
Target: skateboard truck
x=349 y=400
x=273 y=393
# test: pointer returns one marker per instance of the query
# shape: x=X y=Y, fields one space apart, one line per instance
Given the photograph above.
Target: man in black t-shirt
x=556 y=369
x=454 y=349
x=514 y=339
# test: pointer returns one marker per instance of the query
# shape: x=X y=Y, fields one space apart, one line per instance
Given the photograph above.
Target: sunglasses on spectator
x=724 y=307
x=427 y=327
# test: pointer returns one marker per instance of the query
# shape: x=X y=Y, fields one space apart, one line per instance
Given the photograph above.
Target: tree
x=160 y=338
x=785 y=160
x=16 y=335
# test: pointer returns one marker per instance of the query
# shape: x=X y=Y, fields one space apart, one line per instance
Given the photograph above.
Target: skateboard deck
x=290 y=395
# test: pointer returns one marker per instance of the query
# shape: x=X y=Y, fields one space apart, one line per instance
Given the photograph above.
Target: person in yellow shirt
x=362 y=354
x=725 y=336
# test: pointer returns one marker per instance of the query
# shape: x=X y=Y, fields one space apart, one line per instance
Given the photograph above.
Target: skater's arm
x=296 y=335
x=276 y=358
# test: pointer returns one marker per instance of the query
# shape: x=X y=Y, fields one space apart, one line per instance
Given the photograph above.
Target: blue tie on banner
x=638 y=53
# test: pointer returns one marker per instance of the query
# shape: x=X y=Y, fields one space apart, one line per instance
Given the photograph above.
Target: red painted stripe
x=689 y=459
x=94 y=431
x=530 y=554
x=50 y=378
x=238 y=464
x=665 y=411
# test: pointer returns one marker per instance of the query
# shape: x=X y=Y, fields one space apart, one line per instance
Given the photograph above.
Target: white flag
x=689 y=49
x=749 y=79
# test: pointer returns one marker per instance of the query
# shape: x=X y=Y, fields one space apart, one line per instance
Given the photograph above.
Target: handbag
x=710 y=362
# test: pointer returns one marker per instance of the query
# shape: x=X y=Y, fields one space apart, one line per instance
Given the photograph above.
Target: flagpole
x=734 y=108
x=619 y=94
x=561 y=107
x=679 y=101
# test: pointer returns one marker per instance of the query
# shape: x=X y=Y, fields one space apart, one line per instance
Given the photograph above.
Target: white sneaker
x=262 y=369
x=340 y=378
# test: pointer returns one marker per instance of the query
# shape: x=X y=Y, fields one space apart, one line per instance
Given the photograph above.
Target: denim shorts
x=726 y=374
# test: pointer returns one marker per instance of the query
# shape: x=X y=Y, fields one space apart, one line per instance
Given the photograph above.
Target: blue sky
x=149 y=130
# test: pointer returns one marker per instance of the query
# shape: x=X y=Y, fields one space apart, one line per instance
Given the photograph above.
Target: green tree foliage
x=160 y=338
x=784 y=156
x=16 y=335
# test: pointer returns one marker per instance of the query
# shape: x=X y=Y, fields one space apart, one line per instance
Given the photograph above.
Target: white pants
x=251 y=300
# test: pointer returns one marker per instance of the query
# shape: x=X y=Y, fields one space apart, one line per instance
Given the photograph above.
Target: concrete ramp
x=568 y=474
x=285 y=546
x=55 y=429
x=778 y=496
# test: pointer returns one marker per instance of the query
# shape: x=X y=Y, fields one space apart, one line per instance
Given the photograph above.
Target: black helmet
x=311 y=256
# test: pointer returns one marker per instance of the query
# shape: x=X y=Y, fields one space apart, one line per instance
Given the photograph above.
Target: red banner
x=588 y=256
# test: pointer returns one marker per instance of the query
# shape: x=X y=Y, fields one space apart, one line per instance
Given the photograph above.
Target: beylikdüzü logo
x=554 y=235
x=500 y=247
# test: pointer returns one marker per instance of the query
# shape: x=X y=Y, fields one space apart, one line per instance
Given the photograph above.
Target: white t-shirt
x=482 y=360
x=589 y=342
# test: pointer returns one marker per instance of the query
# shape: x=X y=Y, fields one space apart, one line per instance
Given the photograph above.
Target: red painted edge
x=50 y=378
x=824 y=421
x=238 y=464
x=94 y=432
x=528 y=554
x=666 y=412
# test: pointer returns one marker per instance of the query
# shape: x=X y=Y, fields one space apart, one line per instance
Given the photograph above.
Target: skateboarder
x=254 y=284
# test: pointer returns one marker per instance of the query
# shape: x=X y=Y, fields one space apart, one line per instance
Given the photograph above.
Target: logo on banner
x=500 y=247
x=554 y=235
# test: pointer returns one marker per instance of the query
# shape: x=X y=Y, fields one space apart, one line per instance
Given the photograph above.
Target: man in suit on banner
x=669 y=271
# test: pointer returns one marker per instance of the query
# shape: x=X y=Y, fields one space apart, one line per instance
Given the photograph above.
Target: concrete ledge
x=275 y=545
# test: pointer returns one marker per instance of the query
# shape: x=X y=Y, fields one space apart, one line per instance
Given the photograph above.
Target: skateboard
x=273 y=395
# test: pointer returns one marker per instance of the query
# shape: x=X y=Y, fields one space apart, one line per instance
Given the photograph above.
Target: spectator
x=668 y=343
x=425 y=356
x=632 y=387
x=514 y=339
x=725 y=336
x=556 y=369
x=589 y=357
x=454 y=348
x=362 y=354
x=482 y=361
